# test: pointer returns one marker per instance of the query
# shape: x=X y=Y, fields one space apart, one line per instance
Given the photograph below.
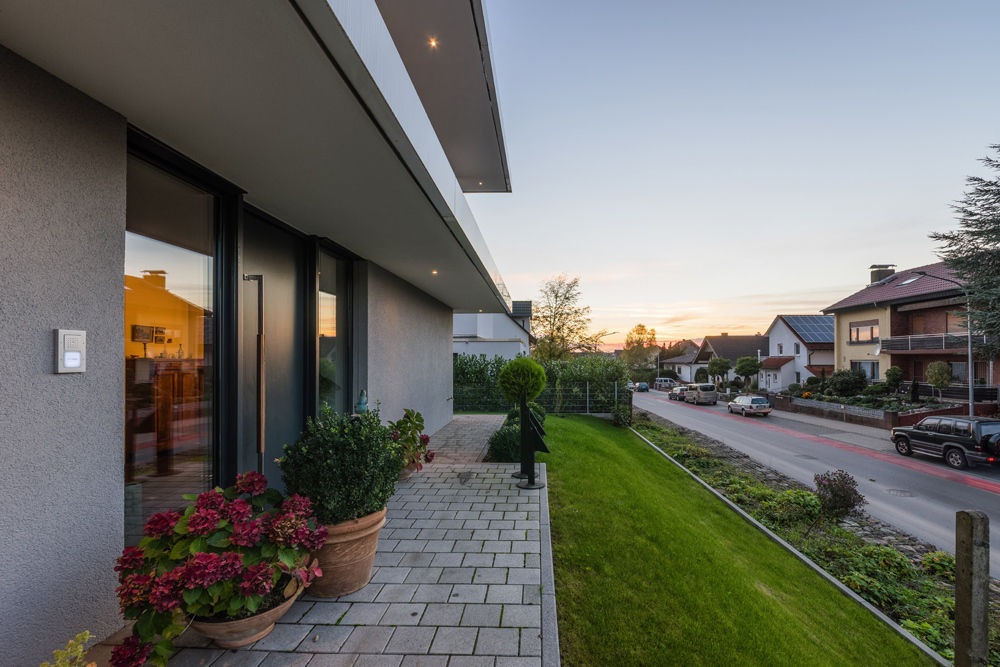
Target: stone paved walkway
x=463 y=577
x=465 y=439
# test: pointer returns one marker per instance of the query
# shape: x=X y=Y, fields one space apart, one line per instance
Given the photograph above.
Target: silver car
x=750 y=405
x=701 y=393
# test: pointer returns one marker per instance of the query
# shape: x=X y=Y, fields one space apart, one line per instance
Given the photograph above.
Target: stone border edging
x=931 y=653
x=550 y=622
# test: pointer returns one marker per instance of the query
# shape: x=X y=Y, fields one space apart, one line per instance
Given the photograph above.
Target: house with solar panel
x=494 y=334
x=801 y=346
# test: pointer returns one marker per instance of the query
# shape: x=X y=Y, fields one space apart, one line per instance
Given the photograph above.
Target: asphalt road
x=917 y=494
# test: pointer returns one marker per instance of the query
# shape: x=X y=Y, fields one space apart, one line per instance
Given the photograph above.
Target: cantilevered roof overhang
x=304 y=104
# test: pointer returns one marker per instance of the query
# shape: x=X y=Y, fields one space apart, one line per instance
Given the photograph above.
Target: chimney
x=155 y=277
x=881 y=272
x=724 y=333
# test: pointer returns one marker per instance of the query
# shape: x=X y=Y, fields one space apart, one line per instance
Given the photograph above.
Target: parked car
x=677 y=393
x=642 y=386
x=631 y=385
x=960 y=441
x=701 y=393
x=665 y=383
x=750 y=405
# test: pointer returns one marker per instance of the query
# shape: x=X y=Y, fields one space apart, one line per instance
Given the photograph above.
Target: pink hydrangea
x=311 y=539
x=204 y=569
x=161 y=524
x=212 y=500
x=203 y=521
x=165 y=593
x=132 y=653
x=247 y=533
x=429 y=456
x=424 y=439
x=131 y=559
x=257 y=580
x=238 y=510
x=297 y=504
x=134 y=590
x=251 y=482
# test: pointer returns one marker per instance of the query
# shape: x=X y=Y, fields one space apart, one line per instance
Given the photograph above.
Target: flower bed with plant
x=852 y=388
x=231 y=554
x=918 y=595
x=408 y=432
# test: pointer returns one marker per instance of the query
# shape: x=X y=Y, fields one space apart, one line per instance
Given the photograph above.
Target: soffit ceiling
x=246 y=91
x=455 y=82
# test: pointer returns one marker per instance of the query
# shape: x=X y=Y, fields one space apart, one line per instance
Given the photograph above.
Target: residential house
x=731 y=347
x=684 y=364
x=507 y=335
x=907 y=319
x=800 y=346
x=292 y=169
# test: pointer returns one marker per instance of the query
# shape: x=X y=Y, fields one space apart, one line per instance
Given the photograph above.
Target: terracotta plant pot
x=348 y=555
x=233 y=634
x=408 y=471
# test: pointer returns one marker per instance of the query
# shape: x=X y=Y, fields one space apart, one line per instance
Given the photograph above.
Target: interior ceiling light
x=432 y=42
x=434 y=272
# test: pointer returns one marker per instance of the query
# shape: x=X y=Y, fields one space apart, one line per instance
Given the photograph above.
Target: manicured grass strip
x=651 y=569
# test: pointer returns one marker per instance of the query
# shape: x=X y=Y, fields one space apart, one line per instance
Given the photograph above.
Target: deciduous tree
x=640 y=347
x=719 y=368
x=939 y=375
x=747 y=368
x=560 y=322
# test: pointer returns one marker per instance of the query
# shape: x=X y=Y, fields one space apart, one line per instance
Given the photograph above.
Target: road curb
x=931 y=653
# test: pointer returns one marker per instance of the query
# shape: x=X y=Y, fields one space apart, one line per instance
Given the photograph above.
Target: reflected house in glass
x=320 y=146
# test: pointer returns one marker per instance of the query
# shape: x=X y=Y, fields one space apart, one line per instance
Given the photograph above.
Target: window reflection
x=169 y=333
x=332 y=319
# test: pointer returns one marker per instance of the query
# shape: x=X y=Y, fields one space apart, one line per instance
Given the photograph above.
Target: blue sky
x=704 y=166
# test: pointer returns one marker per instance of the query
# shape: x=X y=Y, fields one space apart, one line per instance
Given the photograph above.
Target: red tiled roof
x=893 y=289
x=817 y=370
x=775 y=362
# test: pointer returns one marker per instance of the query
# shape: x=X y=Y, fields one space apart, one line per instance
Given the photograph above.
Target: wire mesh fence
x=568 y=397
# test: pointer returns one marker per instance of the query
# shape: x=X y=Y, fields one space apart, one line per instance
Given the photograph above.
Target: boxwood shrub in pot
x=348 y=466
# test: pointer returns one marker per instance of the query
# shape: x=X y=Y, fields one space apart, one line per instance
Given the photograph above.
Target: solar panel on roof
x=812 y=328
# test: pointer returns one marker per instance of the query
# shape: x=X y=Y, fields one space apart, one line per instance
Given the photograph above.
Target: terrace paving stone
x=468 y=585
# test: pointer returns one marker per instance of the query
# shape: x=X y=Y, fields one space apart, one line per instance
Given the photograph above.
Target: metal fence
x=570 y=397
x=840 y=408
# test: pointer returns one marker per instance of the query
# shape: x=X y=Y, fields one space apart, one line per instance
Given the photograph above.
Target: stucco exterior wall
x=409 y=350
x=62 y=212
x=845 y=352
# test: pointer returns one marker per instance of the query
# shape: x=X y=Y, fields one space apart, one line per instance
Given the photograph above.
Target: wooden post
x=972 y=588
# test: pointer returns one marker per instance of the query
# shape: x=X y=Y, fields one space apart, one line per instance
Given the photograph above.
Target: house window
x=958 y=371
x=169 y=350
x=869 y=368
x=864 y=332
x=332 y=379
x=797 y=349
x=798 y=377
x=781 y=348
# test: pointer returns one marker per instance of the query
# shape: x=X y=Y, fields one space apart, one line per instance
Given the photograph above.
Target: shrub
x=347 y=465
x=621 y=415
x=791 y=507
x=794 y=389
x=701 y=375
x=893 y=378
x=408 y=433
x=940 y=564
x=73 y=654
x=515 y=413
x=939 y=375
x=880 y=389
x=838 y=494
x=505 y=444
x=847 y=383
x=522 y=377
x=812 y=381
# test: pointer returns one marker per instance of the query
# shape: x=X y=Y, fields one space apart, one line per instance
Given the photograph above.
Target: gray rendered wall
x=62 y=248
x=409 y=350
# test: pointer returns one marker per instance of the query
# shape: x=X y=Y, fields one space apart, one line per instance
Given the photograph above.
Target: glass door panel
x=332 y=324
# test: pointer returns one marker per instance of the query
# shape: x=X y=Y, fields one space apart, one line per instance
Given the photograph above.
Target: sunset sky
x=704 y=166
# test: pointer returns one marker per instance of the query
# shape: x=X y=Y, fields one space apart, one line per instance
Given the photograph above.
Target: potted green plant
x=348 y=466
x=231 y=563
x=408 y=433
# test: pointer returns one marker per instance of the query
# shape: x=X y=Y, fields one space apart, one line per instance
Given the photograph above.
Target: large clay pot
x=348 y=555
x=233 y=634
x=408 y=471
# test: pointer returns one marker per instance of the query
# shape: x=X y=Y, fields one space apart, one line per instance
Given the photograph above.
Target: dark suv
x=961 y=441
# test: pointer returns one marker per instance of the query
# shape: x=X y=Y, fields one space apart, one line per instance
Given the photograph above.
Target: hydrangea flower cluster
x=228 y=553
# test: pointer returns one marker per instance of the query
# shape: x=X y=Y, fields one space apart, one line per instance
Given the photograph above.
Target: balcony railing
x=942 y=341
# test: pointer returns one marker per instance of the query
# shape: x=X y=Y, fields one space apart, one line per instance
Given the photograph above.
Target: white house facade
x=494 y=334
x=800 y=347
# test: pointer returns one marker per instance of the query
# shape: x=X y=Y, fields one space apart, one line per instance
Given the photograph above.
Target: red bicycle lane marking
x=918 y=466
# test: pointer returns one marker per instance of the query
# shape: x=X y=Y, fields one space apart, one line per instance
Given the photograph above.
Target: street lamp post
x=970 y=372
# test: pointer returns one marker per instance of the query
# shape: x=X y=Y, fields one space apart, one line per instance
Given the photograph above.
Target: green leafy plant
x=940 y=564
x=791 y=507
x=939 y=375
x=701 y=375
x=621 y=415
x=505 y=444
x=348 y=465
x=232 y=553
x=408 y=433
x=521 y=377
x=73 y=654
x=515 y=413
x=838 y=494
x=795 y=389
x=846 y=383
x=893 y=378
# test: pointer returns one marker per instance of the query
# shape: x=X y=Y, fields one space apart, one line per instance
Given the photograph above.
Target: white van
x=701 y=393
x=665 y=383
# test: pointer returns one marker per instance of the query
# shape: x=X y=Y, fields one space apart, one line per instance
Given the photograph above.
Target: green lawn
x=651 y=569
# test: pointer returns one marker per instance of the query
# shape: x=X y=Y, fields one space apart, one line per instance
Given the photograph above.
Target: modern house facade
x=909 y=319
x=506 y=335
x=800 y=346
x=207 y=219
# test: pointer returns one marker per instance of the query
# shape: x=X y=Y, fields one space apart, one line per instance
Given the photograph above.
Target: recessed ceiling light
x=432 y=42
x=480 y=182
x=434 y=272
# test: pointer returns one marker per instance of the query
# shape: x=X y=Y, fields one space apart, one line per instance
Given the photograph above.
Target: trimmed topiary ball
x=521 y=377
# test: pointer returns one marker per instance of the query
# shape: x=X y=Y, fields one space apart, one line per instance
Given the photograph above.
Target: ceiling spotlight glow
x=432 y=42
x=434 y=272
